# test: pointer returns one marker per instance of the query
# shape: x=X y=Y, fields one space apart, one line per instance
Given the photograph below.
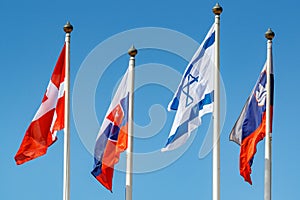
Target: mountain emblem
x=260 y=95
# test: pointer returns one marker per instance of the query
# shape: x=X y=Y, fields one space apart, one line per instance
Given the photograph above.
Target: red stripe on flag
x=111 y=157
x=122 y=139
x=248 y=147
x=108 y=161
x=36 y=140
x=58 y=74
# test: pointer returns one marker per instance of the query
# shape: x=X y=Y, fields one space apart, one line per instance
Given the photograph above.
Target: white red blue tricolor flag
x=113 y=135
x=194 y=96
x=49 y=118
x=250 y=128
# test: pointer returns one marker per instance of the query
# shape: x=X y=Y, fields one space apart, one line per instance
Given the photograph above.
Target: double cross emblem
x=186 y=89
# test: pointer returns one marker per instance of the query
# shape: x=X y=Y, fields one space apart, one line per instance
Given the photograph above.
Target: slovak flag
x=49 y=118
x=113 y=135
x=250 y=128
x=194 y=96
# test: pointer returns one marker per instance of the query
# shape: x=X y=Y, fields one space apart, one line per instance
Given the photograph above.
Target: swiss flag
x=49 y=118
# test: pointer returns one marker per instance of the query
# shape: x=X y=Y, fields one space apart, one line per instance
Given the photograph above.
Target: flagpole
x=129 y=159
x=66 y=184
x=268 y=142
x=217 y=10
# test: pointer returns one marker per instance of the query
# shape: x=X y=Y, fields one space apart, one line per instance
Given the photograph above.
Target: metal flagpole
x=66 y=188
x=129 y=159
x=217 y=10
x=268 y=142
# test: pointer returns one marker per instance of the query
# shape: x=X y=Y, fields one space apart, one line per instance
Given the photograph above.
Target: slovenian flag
x=49 y=118
x=112 y=137
x=194 y=96
x=250 y=128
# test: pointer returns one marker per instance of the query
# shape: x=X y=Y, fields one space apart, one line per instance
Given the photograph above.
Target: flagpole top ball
x=132 y=51
x=269 y=34
x=68 y=28
x=217 y=9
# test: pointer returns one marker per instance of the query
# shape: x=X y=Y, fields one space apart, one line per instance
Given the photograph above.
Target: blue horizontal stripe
x=99 y=150
x=272 y=88
x=175 y=103
x=208 y=42
x=183 y=128
x=125 y=104
x=254 y=112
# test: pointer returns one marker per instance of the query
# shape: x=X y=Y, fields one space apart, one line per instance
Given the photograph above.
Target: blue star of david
x=186 y=89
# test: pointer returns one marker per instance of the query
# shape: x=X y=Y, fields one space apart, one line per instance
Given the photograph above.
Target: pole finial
x=269 y=34
x=132 y=51
x=68 y=28
x=217 y=9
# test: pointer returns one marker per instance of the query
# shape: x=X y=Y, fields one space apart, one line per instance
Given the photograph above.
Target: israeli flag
x=194 y=96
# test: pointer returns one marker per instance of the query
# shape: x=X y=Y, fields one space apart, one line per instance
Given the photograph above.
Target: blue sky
x=32 y=37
